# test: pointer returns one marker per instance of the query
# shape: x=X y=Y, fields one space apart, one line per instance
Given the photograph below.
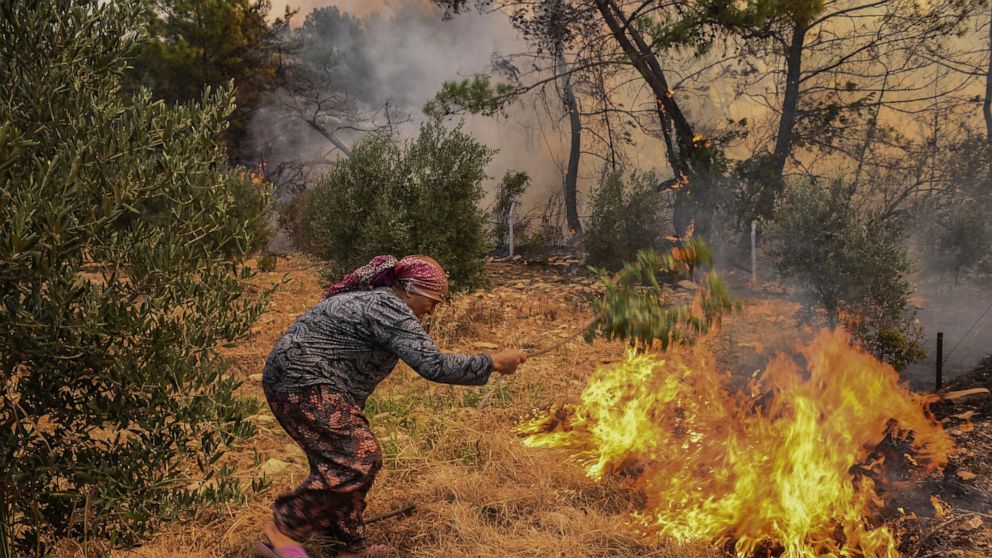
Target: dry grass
x=478 y=491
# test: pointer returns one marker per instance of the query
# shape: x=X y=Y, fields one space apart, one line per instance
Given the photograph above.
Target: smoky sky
x=400 y=53
x=358 y=8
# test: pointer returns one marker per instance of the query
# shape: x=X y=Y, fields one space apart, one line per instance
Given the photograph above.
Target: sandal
x=291 y=551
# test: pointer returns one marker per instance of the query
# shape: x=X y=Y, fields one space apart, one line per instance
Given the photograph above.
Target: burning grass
x=784 y=465
x=478 y=491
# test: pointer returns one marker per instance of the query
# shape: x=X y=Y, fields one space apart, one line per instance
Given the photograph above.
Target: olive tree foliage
x=851 y=266
x=627 y=216
x=421 y=197
x=119 y=275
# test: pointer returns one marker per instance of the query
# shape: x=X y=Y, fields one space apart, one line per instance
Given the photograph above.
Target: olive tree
x=124 y=229
x=421 y=197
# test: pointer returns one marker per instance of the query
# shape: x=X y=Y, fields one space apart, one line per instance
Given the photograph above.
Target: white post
x=509 y=227
x=754 y=252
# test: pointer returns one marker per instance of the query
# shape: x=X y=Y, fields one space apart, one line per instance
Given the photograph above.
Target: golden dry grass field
x=477 y=490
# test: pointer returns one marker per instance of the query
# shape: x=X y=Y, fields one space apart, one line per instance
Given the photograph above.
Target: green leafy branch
x=637 y=308
x=475 y=95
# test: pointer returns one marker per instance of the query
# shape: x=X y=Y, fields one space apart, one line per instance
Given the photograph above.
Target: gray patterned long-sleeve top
x=352 y=341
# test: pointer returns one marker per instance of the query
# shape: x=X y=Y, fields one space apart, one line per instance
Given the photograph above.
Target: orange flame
x=769 y=466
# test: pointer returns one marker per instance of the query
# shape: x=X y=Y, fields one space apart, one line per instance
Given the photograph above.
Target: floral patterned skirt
x=344 y=458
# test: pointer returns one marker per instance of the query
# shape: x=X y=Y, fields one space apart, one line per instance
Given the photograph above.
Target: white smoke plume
x=409 y=51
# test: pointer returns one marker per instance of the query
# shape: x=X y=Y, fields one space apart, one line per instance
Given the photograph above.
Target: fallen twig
x=961 y=394
x=402 y=511
x=489 y=393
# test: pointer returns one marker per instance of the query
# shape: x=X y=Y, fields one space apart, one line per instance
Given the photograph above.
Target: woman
x=322 y=370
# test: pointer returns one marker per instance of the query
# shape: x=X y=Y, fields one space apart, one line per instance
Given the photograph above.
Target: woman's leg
x=344 y=459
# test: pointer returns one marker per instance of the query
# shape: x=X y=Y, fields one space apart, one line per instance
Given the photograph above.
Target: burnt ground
x=951 y=516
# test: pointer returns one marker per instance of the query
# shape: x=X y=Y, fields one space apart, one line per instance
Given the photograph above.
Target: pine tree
x=123 y=232
x=194 y=44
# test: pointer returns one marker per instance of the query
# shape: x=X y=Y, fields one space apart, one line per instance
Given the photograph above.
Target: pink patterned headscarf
x=419 y=275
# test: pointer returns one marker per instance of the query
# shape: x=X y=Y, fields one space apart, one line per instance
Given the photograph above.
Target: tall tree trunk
x=671 y=118
x=987 y=105
x=646 y=63
x=790 y=104
x=572 y=171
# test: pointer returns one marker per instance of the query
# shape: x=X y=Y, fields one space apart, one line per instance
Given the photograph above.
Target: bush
x=292 y=219
x=267 y=262
x=123 y=224
x=956 y=237
x=508 y=194
x=627 y=216
x=419 y=198
x=852 y=267
x=540 y=235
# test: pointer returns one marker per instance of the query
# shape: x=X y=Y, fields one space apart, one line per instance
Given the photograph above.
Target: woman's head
x=423 y=276
x=423 y=281
x=419 y=280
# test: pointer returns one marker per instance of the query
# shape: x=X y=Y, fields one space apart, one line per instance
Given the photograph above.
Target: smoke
x=957 y=312
x=406 y=51
x=359 y=8
x=400 y=56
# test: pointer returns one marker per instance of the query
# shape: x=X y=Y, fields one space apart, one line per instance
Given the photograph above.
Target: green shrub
x=541 y=234
x=851 y=266
x=508 y=194
x=637 y=308
x=960 y=240
x=292 y=219
x=419 y=198
x=122 y=225
x=627 y=216
x=267 y=262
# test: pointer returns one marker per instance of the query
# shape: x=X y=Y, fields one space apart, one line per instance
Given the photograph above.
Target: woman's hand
x=506 y=362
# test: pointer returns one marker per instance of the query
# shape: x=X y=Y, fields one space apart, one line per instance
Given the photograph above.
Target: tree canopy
x=195 y=44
